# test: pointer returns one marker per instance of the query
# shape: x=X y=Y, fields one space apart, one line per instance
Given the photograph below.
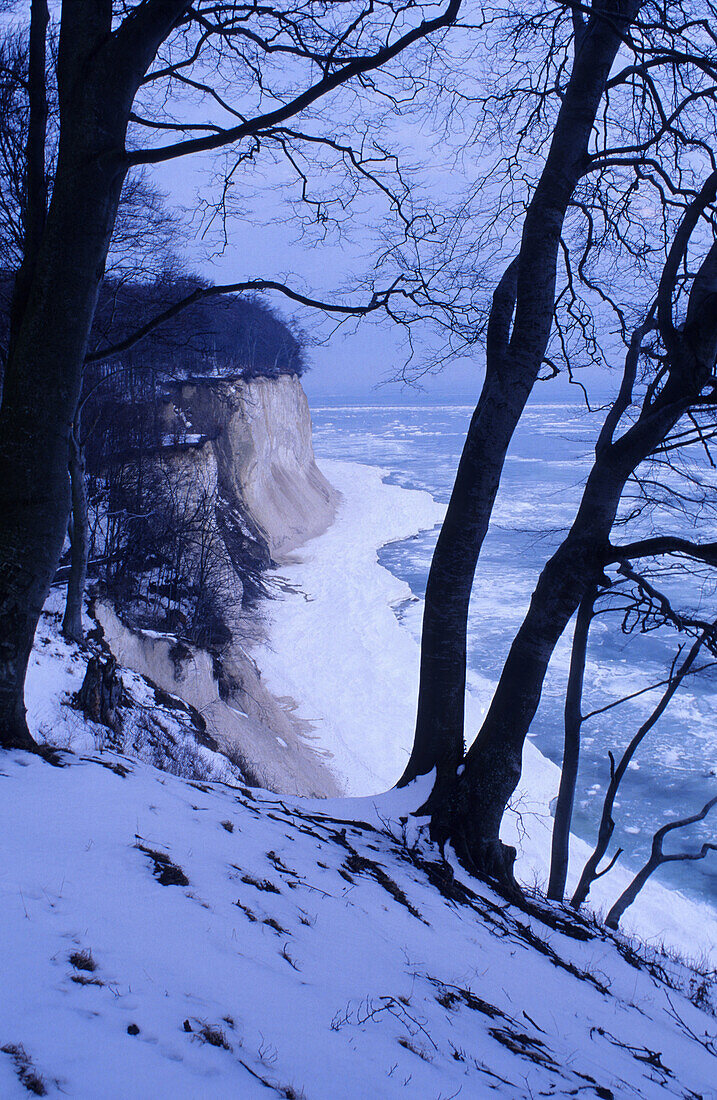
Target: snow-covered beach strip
x=338 y=649
x=335 y=644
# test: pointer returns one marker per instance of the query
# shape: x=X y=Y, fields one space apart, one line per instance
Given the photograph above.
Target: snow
x=311 y=945
x=161 y=733
x=337 y=647
x=168 y=937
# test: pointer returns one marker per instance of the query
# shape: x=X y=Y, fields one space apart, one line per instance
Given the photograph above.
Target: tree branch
x=328 y=83
x=657 y=858
x=705 y=197
x=663 y=544
x=378 y=300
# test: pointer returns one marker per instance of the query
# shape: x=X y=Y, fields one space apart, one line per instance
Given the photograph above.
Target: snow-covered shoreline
x=334 y=642
x=336 y=646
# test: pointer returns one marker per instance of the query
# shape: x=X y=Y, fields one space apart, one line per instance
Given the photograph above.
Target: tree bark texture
x=518 y=333
x=35 y=191
x=79 y=542
x=98 y=75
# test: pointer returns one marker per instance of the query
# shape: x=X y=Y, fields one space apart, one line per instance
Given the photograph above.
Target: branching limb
x=607 y=824
x=329 y=82
x=658 y=857
x=379 y=300
x=675 y=258
x=663 y=544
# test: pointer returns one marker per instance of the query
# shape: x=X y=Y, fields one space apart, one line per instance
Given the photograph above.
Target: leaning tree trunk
x=514 y=355
x=439 y=728
x=571 y=752
x=493 y=764
x=98 y=75
x=79 y=541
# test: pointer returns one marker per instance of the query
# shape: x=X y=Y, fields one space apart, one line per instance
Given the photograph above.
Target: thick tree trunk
x=98 y=74
x=493 y=764
x=34 y=484
x=35 y=205
x=571 y=752
x=439 y=729
x=79 y=542
x=513 y=361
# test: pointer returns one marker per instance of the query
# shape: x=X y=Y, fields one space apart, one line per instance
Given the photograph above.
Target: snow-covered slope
x=163 y=937
x=337 y=647
x=155 y=726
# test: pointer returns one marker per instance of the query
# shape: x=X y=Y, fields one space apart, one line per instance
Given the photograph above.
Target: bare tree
x=632 y=599
x=617 y=772
x=282 y=60
x=517 y=336
x=683 y=380
x=611 y=133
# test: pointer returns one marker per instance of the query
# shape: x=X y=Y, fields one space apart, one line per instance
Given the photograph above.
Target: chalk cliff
x=243 y=451
x=258 y=434
x=255 y=730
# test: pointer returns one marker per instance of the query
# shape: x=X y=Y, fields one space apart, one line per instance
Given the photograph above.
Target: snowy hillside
x=164 y=937
x=174 y=933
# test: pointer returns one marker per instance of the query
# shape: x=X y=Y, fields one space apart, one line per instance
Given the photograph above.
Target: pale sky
x=358 y=356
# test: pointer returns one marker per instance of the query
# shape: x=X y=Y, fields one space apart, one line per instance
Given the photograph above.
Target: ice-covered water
x=674 y=770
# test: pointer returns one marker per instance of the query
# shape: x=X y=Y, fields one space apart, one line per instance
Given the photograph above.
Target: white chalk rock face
x=283 y=488
x=258 y=732
x=245 y=447
x=260 y=434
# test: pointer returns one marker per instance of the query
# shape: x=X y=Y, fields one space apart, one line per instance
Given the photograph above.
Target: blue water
x=674 y=774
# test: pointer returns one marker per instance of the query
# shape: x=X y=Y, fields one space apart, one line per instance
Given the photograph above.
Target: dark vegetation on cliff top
x=229 y=334
x=168 y=545
x=164 y=543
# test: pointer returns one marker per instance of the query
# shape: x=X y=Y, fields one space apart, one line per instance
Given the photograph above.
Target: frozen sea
x=674 y=771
